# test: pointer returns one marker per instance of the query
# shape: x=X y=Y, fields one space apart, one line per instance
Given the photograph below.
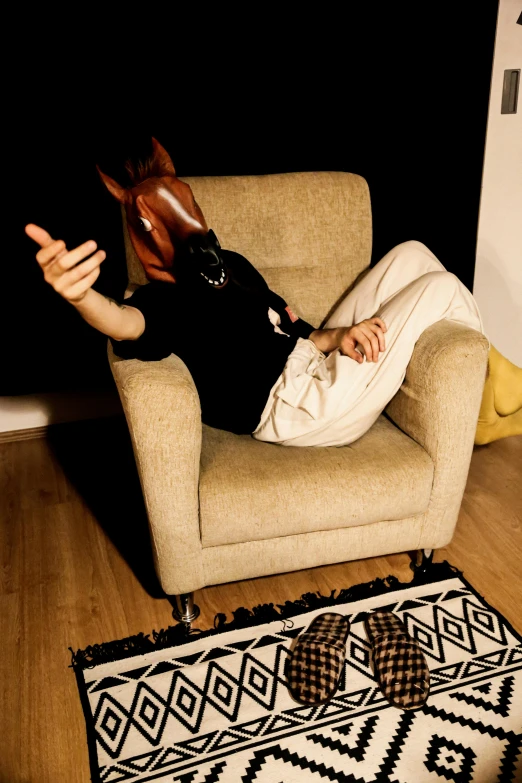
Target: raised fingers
x=73 y=257
x=79 y=289
x=38 y=234
x=73 y=276
x=51 y=252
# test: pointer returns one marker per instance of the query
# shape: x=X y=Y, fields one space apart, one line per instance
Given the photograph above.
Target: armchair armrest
x=438 y=406
x=163 y=413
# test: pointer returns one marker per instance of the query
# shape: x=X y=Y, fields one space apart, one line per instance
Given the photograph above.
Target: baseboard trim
x=42 y=432
x=27 y=434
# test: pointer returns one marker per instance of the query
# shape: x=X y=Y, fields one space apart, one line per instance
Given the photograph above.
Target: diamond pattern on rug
x=217 y=708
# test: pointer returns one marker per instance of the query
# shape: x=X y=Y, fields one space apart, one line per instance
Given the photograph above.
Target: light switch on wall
x=510 y=91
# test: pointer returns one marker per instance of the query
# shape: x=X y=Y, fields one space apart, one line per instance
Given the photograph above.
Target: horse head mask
x=166 y=225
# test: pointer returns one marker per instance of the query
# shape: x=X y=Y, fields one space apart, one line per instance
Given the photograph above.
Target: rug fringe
x=174 y=636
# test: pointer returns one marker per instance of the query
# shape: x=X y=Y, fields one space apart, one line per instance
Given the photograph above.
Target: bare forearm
x=326 y=340
x=109 y=317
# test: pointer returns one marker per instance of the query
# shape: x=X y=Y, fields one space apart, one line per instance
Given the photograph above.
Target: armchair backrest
x=308 y=233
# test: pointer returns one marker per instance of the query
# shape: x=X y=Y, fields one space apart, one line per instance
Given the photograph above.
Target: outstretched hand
x=67 y=271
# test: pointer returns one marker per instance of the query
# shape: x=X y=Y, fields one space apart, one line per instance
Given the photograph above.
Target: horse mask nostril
x=205 y=258
x=213 y=260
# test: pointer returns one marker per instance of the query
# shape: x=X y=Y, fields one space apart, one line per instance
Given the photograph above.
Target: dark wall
x=400 y=97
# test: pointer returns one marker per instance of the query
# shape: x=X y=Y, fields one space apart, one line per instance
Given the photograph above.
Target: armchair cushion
x=250 y=490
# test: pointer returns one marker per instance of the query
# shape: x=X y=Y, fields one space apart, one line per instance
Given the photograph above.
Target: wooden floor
x=76 y=570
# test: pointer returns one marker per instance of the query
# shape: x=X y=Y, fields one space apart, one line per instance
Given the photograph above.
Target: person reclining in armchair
x=258 y=368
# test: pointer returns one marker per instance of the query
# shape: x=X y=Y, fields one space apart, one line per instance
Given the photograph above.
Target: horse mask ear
x=163 y=163
x=163 y=159
x=119 y=192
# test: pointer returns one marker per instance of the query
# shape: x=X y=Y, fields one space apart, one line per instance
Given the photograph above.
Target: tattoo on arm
x=113 y=301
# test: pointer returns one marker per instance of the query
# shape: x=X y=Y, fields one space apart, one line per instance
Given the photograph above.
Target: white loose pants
x=332 y=400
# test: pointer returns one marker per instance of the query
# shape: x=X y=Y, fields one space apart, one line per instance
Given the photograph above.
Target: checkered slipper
x=314 y=667
x=399 y=664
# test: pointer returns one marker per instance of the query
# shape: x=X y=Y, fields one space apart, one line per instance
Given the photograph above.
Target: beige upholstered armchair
x=225 y=507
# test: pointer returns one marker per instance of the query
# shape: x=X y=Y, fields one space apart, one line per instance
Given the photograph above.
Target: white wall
x=498 y=271
x=39 y=410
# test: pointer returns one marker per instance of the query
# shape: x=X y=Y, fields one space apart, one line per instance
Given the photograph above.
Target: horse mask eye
x=203 y=256
x=145 y=224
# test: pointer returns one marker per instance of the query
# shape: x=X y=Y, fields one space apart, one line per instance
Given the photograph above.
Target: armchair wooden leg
x=423 y=561
x=185 y=610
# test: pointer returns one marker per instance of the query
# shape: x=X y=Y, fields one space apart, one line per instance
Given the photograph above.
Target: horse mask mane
x=166 y=225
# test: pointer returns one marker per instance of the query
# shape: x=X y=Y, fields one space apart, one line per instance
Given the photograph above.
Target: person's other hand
x=67 y=271
x=369 y=335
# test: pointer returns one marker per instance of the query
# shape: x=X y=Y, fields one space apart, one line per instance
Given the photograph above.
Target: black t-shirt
x=224 y=336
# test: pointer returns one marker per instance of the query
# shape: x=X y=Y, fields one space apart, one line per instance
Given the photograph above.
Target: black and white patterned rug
x=214 y=707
